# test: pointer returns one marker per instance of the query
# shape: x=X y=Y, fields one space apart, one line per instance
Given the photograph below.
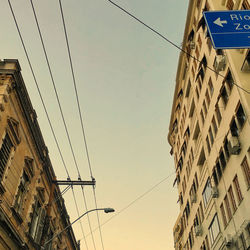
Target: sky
x=125 y=76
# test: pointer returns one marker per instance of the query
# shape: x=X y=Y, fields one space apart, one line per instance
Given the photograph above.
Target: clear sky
x=126 y=77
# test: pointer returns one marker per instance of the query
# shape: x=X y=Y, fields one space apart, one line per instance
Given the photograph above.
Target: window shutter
x=40 y=226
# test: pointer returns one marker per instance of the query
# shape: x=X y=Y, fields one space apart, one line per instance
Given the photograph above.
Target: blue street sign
x=229 y=29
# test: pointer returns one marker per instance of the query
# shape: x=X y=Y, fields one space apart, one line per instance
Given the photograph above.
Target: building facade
x=32 y=209
x=209 y=134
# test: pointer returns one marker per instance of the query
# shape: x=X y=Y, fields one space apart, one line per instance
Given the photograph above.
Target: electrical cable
x=172 y=43
x=81 y=120
x=59 y=104
x=134 y=201
x=78 y=214
x=54 y=87
x=37 y=86
x=39 y=92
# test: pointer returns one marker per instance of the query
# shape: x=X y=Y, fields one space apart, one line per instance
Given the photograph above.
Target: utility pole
x=51 y=200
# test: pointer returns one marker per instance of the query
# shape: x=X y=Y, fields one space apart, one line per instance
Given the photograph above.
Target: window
x=229 y=80
x=218 y=169
x=230 y=4
x=234 y=128
x=222 y=160
x=223 y=214
x=202 y=116
x=214 y=125
x=207 y=98
x=202 y=158
x=197 y=52
x=245 y=5
x=37 y=222
x=211 y=136
x=209 y=45
x=191 y=238
x=227 y=205
x=226 y=146
x=241 y=117
x=231 y=195
x=243 y=242
x=197 y=93
x=188 y=89
x=207 y=192
x=208 y=145
x=237 y=189
x=22 y=190
x=218 y=114
x=246 y=171
x=214 y=229
x=224 y=95
x=5 y=152
x=211 y=87
x=201 y=211
x=207 y=244
x=215 y=178
x=10 y=140
x=217 y=173
x=204 y=108
x=246 y=64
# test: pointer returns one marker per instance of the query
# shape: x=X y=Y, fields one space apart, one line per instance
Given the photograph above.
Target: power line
x=134 y=201
x=40 y=95
x=172 y=43
x=78 y=214
x=37 y=86
x=54 y=87
x=59 y=104
x=81 y=120
x=75 y=87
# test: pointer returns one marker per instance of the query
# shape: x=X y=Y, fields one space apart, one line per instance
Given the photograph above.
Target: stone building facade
x=209 y=134
x=32 y=209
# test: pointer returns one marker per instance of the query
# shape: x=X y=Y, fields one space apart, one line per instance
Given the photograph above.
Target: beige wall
x=196 y=142
x=10 y=107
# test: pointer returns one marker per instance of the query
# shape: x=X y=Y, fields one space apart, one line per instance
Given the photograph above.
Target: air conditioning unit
x=215 y=192
x=228 y=240
x=193 y=198
x=191 y=45
x=198 y=230
x=234 y=145
x=220 y=63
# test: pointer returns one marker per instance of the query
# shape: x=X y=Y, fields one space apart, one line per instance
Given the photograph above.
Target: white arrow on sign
x=220 y=22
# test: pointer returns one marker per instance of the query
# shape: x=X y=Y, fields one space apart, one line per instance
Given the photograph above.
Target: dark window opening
x=240 y=114
x=234 y=129
x=224 y=95
x=5 y=151
x=222 y=160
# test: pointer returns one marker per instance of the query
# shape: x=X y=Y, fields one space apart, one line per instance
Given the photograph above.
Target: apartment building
x=32 y=209
x=209 y=134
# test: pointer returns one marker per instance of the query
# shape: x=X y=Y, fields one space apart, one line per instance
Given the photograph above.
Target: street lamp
x=106 y=210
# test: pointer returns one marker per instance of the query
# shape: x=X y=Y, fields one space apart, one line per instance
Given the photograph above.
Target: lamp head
x=109 y=210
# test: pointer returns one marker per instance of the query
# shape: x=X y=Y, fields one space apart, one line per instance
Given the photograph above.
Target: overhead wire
x=37 y=86
x=172 y=43
x=134 y=201
x=78 y=214
x=54 y=87
x=81 y=118
x=61 y=112
x=39 y=91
